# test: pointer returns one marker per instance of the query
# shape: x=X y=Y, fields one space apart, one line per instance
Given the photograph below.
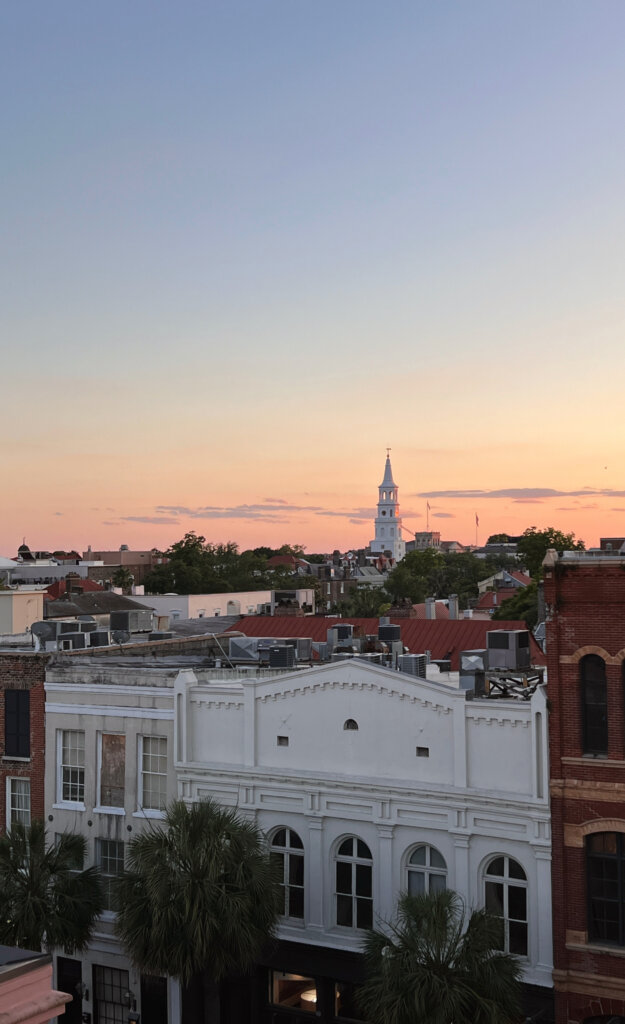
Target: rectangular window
x=112 y=770
x=154 y=773
x=17 y=723
x=72 y=766
x=110 y=999
x=18 y=801
x=110 y=858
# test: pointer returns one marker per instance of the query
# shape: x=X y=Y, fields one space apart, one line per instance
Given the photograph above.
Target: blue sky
x=378 y=223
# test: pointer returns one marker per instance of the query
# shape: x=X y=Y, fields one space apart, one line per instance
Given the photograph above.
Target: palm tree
x=198 y=899
x=46 y=898
x=431 y=969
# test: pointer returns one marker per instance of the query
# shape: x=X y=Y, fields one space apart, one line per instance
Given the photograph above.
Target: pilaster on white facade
x=388 y=526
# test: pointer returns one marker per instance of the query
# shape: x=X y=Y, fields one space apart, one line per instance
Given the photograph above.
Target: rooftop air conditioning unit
x=282 y=656
x=99 y=638
x=344 y=632
x=388 y=633
x=413 y=664
x=509 y=649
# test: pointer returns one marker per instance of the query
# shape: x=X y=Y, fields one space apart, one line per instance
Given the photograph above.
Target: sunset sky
x=246 y=246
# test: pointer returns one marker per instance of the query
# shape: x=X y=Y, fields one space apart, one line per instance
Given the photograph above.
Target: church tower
x=388 y=521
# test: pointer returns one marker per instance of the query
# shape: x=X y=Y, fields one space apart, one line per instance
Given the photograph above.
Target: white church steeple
x=388 y=520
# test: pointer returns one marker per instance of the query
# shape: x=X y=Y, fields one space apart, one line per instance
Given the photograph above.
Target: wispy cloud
x=524 y=493
x=443 y=515
x=276 y=501
x=527 y=501
x=155 y=520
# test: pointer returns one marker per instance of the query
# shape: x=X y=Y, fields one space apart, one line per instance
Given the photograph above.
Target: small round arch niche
x=350 y=724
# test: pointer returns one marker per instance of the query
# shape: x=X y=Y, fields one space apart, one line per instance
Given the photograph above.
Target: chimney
x=453 y=606
x=430 y=608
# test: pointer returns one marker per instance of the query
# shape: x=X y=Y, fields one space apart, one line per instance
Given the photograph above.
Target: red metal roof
x=56 y=590
x=442 y=611
x=442 y=637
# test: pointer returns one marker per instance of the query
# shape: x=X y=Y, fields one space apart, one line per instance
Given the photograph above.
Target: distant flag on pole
x=428 y=505
x=477 y=521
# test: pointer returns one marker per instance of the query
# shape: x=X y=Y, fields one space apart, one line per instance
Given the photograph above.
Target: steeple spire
x=388 y=536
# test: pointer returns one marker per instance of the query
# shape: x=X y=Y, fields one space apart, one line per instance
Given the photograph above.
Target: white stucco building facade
x=366 y=781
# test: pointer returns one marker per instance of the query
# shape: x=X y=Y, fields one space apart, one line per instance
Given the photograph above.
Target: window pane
x=437 y=883
x=494 y=898
x=418 y=857
x=515 y=870
x=296 y=869
x=495 y=867
x=280 y=838
x=296 y=903
x=416 y=882
x=517 y=906
x=518 y=938
x=278 y=860
x=343 y=877
x=363 y=850
x=346 y=848
x=363 y=880
x=436 y=860
x=19 y=797
x=344 y=911
x=364 y=913
x=295 y=841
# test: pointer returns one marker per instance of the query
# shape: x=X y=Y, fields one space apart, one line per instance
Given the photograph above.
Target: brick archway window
x=594 y=693
x=605 y=867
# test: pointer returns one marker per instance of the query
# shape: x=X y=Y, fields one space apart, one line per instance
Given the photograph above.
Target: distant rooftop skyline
x=248 y=246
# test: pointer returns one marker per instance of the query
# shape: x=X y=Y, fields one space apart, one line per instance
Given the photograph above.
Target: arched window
x=287 y=851
x=350 y=723
x=505 y=892
x=354 y=884
x=427 y=871
x=594 y=704
x=605 y=866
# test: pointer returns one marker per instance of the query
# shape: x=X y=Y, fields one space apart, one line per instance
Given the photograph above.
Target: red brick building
x=585 y=600
x=22 y=736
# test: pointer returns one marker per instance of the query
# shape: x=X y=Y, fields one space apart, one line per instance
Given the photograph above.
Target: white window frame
x=427 y=869
x=76 y=805
x=105 y=808
x=149 y=812
x=355 y=861
x=107 y=912
x=287 y=852
x=507 y=881
x=9 y=802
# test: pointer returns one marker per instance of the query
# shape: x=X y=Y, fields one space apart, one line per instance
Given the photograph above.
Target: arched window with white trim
x=287 y=852
x=505 y=896
x=354 y=884
x=427 y=870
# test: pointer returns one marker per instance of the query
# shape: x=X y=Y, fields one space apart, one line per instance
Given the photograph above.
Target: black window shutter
x=17 y=723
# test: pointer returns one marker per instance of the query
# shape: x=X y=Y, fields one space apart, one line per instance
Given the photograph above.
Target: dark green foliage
x=196 y=566
x=46 y=898
x=524 y=605
x=364 y=602
x=199 y=894
x=534 y=544
x=430 y=573
x=430 y=970
x=123 y=578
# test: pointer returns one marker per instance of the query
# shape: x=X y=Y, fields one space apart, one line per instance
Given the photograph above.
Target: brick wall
x=585 y=614
x=24 y=671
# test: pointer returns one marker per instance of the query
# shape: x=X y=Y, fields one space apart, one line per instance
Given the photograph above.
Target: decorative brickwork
x=24 y=671
x=585 y=599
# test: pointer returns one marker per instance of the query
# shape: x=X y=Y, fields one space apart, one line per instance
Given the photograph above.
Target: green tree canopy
x=199 y=894
x=534 y=544
x=196 y=566
x=523 y=605
x=432 y=573
x=47 y=898
x=430 y=969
